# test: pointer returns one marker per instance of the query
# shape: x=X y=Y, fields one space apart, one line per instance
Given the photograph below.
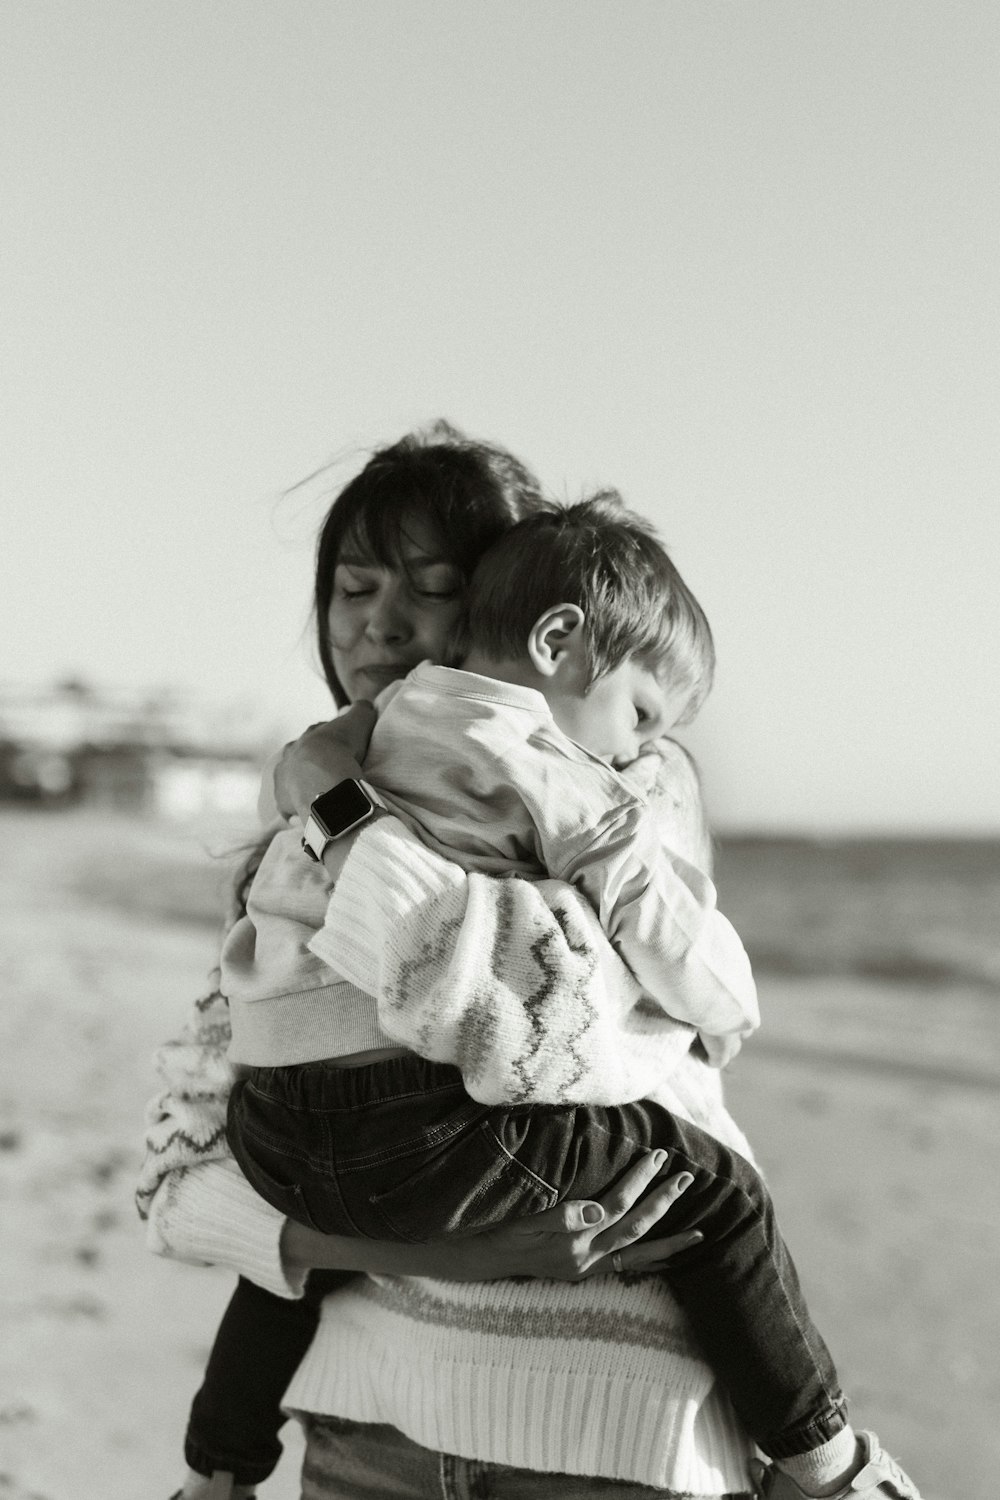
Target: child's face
x=623 y=712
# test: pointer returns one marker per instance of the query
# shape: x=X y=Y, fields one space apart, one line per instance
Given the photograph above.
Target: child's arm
x=658 y=909
x=666 y=777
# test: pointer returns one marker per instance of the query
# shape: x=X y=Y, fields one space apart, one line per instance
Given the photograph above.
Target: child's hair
x=470 y=492
x=607 y=560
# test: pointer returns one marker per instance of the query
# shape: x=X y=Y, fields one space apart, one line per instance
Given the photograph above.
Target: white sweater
x=596 y=1378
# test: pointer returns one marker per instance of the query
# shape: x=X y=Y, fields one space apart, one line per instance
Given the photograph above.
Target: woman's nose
x=387 y=618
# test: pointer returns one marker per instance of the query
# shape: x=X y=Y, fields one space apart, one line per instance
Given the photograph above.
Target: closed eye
x=435 y=580
x=349 y=583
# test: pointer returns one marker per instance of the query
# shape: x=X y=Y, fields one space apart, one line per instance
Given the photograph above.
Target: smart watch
x=345 y=806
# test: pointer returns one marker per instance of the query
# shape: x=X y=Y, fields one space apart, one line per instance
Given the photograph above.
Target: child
x=582 y=646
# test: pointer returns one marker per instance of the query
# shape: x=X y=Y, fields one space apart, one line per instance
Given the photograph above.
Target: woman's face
x=383 y=620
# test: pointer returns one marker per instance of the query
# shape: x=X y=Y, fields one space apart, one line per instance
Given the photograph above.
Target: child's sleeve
x=510 y=980
x=659 y=912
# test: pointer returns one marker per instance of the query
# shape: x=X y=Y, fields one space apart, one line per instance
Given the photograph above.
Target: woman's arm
x=197 y=1204
x=186 y=1122
x=569 y=1242
x=510 y=980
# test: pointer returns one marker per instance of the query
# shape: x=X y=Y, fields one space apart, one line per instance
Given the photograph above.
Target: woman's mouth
x=380 y=674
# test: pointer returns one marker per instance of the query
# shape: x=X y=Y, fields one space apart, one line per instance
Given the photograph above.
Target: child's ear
x=557 y=642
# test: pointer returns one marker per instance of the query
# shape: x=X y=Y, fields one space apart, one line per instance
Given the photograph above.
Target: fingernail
x=593 y=1213
x=659 y=1157
x=694 y=1237
x=684 y=1181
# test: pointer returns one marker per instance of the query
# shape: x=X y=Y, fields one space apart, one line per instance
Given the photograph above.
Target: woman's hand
x=325 y=754
x=563 y=1243
x=566 y=1244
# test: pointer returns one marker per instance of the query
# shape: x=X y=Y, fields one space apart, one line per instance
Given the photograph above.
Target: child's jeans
x=398 y=1150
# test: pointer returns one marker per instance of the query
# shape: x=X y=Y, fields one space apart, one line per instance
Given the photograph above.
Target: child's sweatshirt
x=479 y=771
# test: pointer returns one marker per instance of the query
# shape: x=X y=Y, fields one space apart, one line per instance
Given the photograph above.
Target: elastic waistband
x=329 y=1085
x=362 y=1059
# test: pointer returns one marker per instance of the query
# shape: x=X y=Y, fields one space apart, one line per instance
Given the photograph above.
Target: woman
x=532 y=1383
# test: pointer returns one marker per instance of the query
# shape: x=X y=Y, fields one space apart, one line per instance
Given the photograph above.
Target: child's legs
x=738 y=1286
x=398 y=1150
x=275 y=1138
x=236 y=1415
x=326 y=1144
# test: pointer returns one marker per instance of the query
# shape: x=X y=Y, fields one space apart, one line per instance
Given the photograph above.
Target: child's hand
x=717 y=1051
x=321 y=757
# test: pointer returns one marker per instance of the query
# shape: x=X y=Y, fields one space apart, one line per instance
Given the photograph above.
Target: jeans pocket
x=284 y=1191
x=470 y=1182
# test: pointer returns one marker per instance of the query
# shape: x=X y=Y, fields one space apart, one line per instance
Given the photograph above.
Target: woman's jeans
x=359 y=1460
x=398 y=1150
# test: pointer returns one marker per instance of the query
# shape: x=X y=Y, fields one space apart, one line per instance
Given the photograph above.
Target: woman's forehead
x=409 y=539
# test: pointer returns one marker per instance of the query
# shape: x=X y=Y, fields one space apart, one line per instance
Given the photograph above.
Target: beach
x=870 y=1096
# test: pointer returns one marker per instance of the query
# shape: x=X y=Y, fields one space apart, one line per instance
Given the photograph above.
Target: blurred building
x=166 y=753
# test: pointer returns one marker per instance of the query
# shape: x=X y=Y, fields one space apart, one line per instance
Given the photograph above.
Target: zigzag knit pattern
x=186 y=1124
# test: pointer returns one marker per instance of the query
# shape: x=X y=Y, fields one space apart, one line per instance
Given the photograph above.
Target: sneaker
x=879 y=1478
x=219 y=1487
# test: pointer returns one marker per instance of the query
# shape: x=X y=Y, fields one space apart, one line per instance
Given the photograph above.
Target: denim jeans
x=398 y=1150
x=359 y=1460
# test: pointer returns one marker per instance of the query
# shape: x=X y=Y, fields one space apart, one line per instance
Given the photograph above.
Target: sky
x=738 y=260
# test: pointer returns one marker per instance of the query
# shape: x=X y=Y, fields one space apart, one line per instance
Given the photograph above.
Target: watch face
x=341 y=808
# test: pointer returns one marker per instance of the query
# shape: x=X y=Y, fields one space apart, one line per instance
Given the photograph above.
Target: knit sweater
x=600 y=1377
x=480 y=771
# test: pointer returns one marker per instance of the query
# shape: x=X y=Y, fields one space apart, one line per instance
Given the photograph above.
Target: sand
x=873 y=1108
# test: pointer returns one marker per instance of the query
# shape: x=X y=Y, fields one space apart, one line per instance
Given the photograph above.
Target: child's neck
x=518 y=671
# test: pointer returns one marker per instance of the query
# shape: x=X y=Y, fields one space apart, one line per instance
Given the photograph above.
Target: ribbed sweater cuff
x=211 y=1215
x=386 y=875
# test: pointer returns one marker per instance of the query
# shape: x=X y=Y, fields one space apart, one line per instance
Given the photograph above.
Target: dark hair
x=608 y=561
x=470 y=492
